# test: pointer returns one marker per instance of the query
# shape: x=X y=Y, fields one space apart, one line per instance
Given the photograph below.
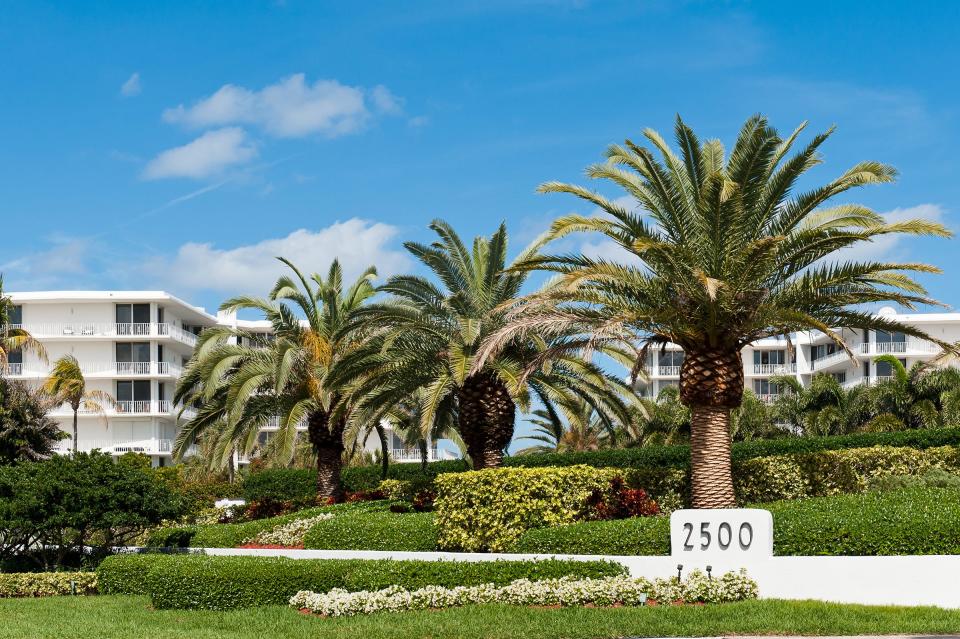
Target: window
x=770 y=357
x=883 y=337
x=840 y=377
x=16 y=315
x=133 y=396
x=15 y=356
x=133 y=352
x=764 y=387
x=133 y=319
x=671 y=358
x=884 y=369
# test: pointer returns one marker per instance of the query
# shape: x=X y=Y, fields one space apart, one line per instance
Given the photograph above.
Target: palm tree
x=239 y=388
x=26 y=432
x=429 y=336
x=13 y=337
x=408 y=423
x=569 y=427
x=727 y=251
x=67 y=385
x=914 y=398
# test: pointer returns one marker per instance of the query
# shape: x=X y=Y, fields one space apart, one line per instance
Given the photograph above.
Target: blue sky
x=182 y=145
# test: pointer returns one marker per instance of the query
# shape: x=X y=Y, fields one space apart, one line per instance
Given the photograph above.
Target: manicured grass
x=120 y=617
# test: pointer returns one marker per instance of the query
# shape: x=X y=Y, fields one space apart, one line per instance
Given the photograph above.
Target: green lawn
x=116 y=617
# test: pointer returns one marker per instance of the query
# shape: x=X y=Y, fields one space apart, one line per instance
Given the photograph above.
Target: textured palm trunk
x=327 y=441
x=486 y=417
x=711 y=384
x=424 y=454
x=76 y=410
x=384 y=452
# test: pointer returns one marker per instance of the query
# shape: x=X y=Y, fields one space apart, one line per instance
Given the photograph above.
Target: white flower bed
x=566 y=591
x=290 y=534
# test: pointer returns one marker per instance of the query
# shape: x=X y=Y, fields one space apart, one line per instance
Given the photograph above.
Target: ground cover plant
x=621 y=590
x=127 y=617
x=219 y=583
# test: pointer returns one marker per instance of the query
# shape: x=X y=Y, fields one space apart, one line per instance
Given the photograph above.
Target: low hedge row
x=490 y=509
x=47 y=584
x=233 y=535
x=374 y=531
x=917 y=521
x=221 y=583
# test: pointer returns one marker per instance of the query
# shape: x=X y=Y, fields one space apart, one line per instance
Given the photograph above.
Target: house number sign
x=721 y=533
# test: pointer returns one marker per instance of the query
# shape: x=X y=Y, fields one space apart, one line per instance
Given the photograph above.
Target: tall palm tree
x=429 y=335
x=239 y=388
x=12 y=336
x=727 y=251
x=66 y=385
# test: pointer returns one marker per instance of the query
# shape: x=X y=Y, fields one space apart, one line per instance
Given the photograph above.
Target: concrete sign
x=730 y=534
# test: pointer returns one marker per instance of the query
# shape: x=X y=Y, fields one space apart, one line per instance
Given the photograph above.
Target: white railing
x=775 y=369
x=906 y=346
x=147 y=446
x=412 y=454
x=669 y=371
x=95 y=329
x=830 y=360
x=11 y=370
x=125 y=407
x=768 y=398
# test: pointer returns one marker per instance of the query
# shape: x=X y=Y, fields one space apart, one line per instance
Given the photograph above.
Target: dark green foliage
x=220 y=583
x=280 y=484
x=53 y=508
x=637 y=536
x=26 y=433
x=917 y=521
x=374 y=531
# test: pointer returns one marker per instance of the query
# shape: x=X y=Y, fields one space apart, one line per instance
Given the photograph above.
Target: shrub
x=620 y=502
x=290 y=534
x=490 y=509
x=933 y=478
x=65 y=505
x=47 y=584
x=281 y=484
x=637 y=536
x=609 y=591
x=396 y=489
x=920 y=521
x=374 y=531
x=220 y=583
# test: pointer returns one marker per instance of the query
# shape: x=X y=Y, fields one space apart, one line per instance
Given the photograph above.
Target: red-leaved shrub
x=621 y=502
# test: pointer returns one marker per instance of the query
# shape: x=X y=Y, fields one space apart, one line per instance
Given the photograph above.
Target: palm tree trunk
x=486 y=418
x=711 y=384
x=384 y=452
x=75 y=431
x=424 y=454
x=327 y=441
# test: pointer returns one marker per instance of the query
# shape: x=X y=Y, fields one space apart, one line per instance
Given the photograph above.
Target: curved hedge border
x=222 y=583
x=917 y=521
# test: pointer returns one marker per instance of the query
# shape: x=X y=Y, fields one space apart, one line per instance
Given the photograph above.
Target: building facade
x=132 y=346
x=807 y=354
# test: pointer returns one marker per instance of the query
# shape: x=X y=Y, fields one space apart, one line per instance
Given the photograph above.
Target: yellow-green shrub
x=396 y=489
x=47 y=584
x=490 y=509
x=833 y=472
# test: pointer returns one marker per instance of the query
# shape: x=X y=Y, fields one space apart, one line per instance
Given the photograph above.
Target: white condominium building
x=808 y=354
x=131 y=345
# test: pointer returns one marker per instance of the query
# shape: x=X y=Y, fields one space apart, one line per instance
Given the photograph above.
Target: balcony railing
x=831 y=359
x=768 y=398
x=11 y=369
x=906 y=346
x=775 y=369
x=94 y=329
x=124 y=407
x=668 y=371
x=146 y=446
x=412 y=454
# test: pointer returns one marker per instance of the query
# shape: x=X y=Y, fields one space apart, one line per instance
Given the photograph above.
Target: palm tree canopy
x=14 y=337
x=67 y=384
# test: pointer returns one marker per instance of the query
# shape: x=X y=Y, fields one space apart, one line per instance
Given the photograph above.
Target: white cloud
x=891 y=247
x=254 y=268
x=208 y=155
x=290 y=108
x=67 y=261
x=132 y=86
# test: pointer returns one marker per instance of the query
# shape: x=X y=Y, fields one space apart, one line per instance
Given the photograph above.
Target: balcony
x=72 y=330
x=145 y=446
x=833 y=359
x=768 y=398
x=142 y=408
x=775 y=369
x=132 y=369
x=11 y=369
x=668 y=371
x=907 y=346
x=407 y=455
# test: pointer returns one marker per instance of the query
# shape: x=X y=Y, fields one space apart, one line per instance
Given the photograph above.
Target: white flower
x=290 y=534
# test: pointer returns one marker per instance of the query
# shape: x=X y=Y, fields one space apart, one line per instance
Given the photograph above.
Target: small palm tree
x=26 y=432
x=428 y=336
x=67 y=385
x=918 y=397
x=727 y=251
x=13 y=337
x=568 y=428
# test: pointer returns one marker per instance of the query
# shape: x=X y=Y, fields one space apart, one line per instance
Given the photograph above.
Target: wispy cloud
x=132 y=87
x=206 y=156
x=893 y=247
x=253 y=268
x=291 y=108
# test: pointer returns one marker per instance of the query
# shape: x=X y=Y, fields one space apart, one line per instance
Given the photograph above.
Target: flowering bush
x=289 y=534
x=565 y=591
x=621 y=502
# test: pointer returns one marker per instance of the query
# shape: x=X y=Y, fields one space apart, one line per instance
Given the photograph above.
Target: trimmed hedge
x=280 y=484
x=222 y=583
x=233 y=535
x=47 y=584
x=374 y=531
x=920 y=521
x=490 y=509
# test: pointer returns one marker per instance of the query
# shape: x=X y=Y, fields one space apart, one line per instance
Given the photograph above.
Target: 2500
x=722 y=537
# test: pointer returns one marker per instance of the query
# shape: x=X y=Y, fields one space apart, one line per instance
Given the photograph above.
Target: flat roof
x=55 y=297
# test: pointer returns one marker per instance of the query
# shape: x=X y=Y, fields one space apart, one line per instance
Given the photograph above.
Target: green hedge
x=374 y=531
x=47 y=584
x=490 y=509
x=919 y=521
x=280 y=484
x=126 y=574
x=221 y=583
